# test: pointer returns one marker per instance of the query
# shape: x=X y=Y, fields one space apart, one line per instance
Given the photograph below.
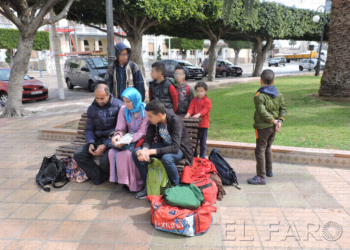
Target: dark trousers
x=263 y=153
x=202 y=142
x=85 y=160
x=168 y=161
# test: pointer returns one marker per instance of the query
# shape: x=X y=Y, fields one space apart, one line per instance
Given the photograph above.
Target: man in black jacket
x=174 y=143
x=101 y=120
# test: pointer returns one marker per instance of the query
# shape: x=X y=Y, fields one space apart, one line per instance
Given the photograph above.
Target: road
x=81 y=96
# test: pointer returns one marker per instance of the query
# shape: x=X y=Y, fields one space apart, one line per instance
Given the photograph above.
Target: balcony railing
x=12 y=26
x=7 y=26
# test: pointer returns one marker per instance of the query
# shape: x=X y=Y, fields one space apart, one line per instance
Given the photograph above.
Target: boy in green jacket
x=269 y=115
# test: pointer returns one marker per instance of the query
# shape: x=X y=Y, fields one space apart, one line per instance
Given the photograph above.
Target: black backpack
x=225 y=171
x=52 y=170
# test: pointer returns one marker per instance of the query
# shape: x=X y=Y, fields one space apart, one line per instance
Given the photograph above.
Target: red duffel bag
x=209 y=189
x=180 y=220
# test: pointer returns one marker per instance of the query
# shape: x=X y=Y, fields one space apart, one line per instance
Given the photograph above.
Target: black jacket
x=180 y=138
x=101 y=121
x=161 y=92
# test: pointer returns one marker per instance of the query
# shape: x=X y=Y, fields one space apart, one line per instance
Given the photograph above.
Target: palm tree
x=335 y=81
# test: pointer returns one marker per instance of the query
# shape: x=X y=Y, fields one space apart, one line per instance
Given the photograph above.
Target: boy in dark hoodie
x=184 y=91
x=124 y=73
x=270 y=112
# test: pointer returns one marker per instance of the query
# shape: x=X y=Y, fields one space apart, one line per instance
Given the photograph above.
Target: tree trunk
x=14 y=106
x=236 y=57
x=184 y=54
x=212 y=60
x=136 y=52
x=335 y=81
x=261 y=53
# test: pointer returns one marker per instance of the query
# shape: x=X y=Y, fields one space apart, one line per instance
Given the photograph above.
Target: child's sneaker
x=269 y=173
x=257 y=180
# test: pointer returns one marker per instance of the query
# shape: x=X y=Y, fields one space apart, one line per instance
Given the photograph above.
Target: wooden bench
x=68 y=150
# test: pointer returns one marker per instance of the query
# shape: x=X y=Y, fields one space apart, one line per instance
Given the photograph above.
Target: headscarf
x=135 y=97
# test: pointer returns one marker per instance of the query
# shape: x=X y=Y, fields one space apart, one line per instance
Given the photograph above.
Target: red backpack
x=208 y=188
x=180 y=220
x=201 y=168
x=199 y=174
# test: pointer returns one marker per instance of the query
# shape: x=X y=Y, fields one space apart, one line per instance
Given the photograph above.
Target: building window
x=151 y=49
x=86 y=43
x=192 y=52
x=99 y=43
x=2 y=19
x=165 y=49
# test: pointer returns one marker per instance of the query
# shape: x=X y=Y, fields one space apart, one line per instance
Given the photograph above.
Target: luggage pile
x=187 y=209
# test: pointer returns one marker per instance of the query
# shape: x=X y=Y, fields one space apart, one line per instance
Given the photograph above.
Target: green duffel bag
x=184 y=196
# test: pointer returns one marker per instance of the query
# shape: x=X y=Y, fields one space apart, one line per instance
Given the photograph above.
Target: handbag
x=73 y=171
x=51 y=171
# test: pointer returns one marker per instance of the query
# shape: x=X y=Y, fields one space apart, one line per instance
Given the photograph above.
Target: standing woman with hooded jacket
x=124 y=73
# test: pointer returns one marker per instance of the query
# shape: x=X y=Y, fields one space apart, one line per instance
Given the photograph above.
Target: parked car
x=33 y=89
x=277 y=61
x=310 y=64
x=223 y=68
x=85 y=72
x=192 y=71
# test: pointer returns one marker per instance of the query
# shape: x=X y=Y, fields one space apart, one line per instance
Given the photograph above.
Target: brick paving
x=288 y=213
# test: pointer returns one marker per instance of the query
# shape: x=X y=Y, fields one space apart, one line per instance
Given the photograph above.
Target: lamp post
x=110 y=31
x=315 y=19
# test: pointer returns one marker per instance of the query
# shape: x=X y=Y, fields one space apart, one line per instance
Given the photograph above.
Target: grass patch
x=310 y=122
x=71 y=125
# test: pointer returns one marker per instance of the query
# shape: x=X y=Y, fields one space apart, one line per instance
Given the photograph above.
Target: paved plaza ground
x=288 y=213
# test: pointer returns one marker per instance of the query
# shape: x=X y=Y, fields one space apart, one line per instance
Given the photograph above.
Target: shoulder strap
x=131 y=66
x=188 y=91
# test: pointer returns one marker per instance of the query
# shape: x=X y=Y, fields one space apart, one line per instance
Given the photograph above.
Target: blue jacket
x=101 y=121
x=136 y=72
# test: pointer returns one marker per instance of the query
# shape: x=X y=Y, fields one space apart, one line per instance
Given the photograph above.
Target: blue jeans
x=168 y=161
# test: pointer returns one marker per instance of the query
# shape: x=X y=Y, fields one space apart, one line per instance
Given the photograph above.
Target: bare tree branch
x=56 y=18
x=12 y=5
x=10 y=15
x=152 y=23
x=119 y=20
x=143 y=22
x=208 y=32
x=95 y=26
x=129 y=22
x=47 y=7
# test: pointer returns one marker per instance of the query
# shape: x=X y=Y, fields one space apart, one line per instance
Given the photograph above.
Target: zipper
x=199 y=223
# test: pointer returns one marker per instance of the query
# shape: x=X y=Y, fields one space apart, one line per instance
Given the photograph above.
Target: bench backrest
x=68 y=150
x=190 y=124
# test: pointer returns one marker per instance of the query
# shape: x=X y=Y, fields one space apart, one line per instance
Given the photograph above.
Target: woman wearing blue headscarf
x=132 y=118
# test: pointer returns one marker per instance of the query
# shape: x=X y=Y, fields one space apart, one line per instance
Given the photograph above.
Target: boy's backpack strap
x=188 y=91
x=131 y=66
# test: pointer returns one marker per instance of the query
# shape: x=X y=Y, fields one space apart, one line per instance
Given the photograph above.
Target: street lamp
x=316 y=19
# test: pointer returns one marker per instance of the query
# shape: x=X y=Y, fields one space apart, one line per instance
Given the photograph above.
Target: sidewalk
x=288 y=213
